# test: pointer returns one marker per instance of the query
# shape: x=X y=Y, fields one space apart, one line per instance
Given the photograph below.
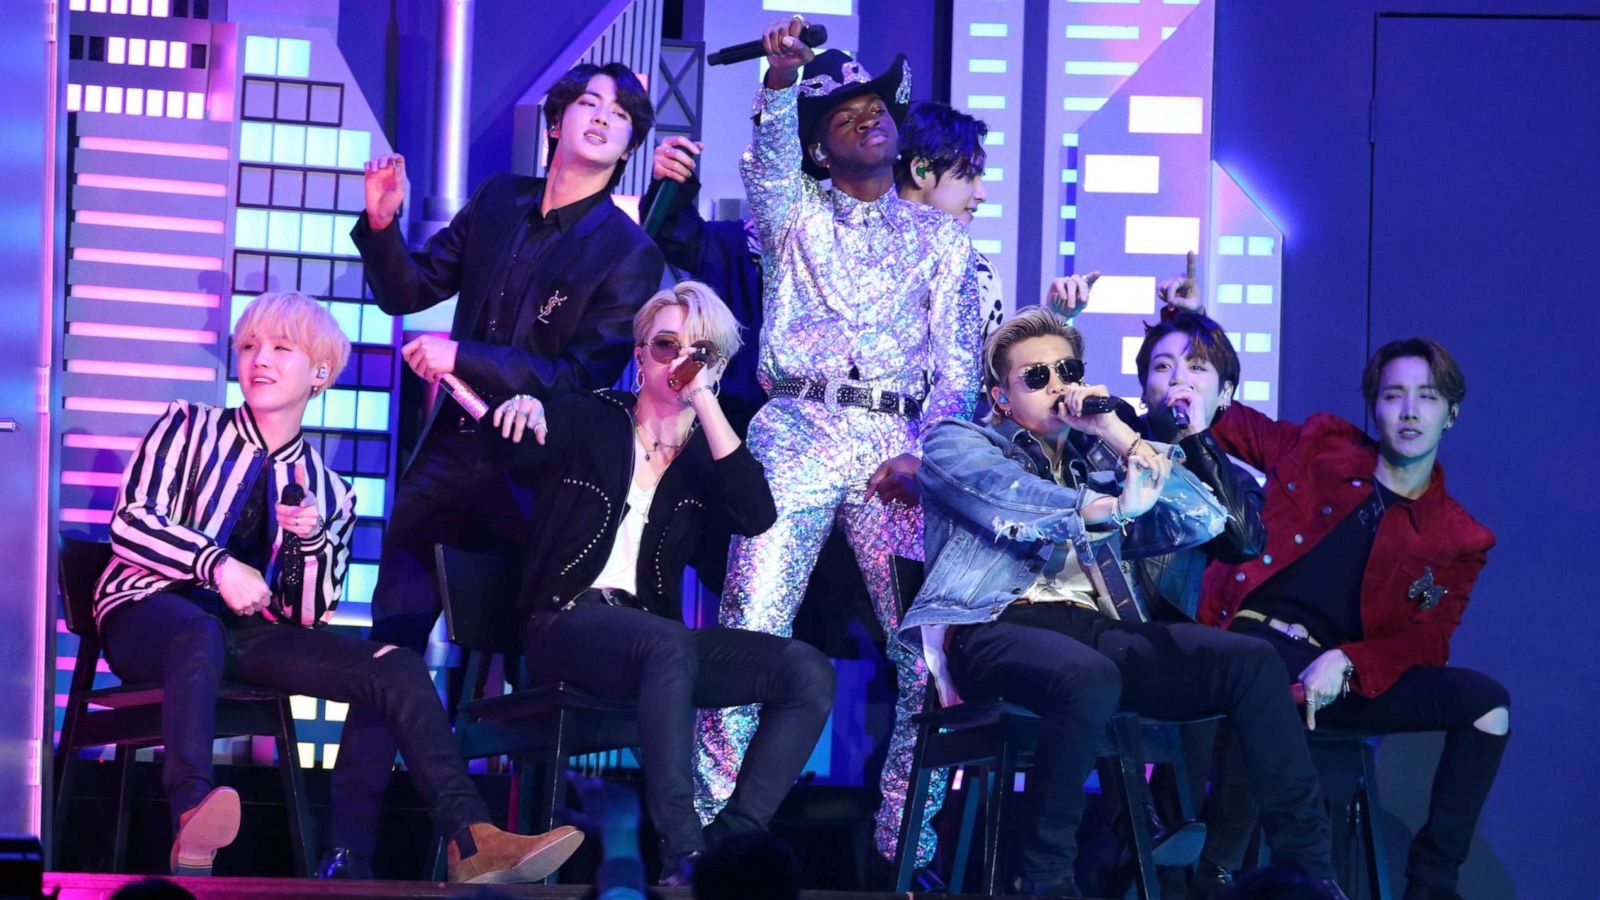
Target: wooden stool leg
x=905 y=854
x=296 y=802
x=969 y=821
x=554 y=776
x=1135 y=795
x=119 y=846
x=66 y=777
x=1004 y=800
x=1377 y=860
x=991 y=829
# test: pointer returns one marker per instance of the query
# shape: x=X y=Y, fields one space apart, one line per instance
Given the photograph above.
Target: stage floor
x=83 y=886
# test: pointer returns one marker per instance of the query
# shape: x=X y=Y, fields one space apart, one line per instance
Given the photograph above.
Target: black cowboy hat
x=833 y=78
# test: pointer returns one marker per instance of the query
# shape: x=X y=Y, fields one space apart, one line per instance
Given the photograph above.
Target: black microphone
x=1093 y=405
x=811 y=36
x=1180 y=416
x=294 y=565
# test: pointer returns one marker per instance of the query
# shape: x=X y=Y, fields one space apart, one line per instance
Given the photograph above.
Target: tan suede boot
x=505 y=858
x=212 y=824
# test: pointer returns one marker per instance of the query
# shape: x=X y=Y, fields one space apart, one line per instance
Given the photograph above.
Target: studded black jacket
x=580 y=475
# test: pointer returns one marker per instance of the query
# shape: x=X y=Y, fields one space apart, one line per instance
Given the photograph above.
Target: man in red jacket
x=1366 y=574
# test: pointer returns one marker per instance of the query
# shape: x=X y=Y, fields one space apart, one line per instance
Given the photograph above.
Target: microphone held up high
x=811 y=36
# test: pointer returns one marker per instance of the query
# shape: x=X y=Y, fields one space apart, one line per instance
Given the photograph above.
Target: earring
x=638 y=380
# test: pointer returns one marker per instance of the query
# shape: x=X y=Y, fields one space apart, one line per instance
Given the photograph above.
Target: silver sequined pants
x=818 y=461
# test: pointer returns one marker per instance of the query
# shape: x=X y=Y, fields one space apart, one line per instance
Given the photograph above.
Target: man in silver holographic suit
x=870 y=335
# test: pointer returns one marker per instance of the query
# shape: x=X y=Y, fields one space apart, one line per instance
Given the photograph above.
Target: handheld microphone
x=464 y=395
x=1180 y=416
x=1093 y=406
x=691 y=367
x=811 y=36
x=294 y=565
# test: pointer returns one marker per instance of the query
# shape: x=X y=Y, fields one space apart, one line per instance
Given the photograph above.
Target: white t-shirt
x=621 y=571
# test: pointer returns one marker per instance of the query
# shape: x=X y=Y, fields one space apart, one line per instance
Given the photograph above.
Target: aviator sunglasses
x=664 y=349
x=1037 y=376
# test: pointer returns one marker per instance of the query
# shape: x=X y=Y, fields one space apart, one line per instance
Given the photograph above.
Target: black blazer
x=581 y=475
x=574 y=323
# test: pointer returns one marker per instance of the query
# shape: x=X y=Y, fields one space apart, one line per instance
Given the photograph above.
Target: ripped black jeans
x=189 y=641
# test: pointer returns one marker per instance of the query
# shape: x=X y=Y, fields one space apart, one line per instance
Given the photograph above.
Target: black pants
x=191 y=642
x=1075 y=667
x=673 y=670
x=1444 y=699
x=456 y=493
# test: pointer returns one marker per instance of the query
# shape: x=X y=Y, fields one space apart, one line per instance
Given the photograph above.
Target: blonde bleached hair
x=705 y=317
x=303 y=322
x=1033 y=322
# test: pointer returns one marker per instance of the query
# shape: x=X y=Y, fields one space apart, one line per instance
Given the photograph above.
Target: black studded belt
x=852 y=394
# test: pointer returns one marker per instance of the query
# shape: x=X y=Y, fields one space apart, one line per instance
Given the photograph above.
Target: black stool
x=1000 y=737
x=129 y=715
x=539 y=727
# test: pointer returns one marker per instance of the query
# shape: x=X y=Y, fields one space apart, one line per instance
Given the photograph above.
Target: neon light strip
x=91 y=479
x=155 y=223
x=154 y=185
x=142 y=332
x=153 y=148
x=144 y=295
x=141 y=370
x=99 y=442
x=141 y=258
x=109 y=405
x=68 y=663
x=86 y=516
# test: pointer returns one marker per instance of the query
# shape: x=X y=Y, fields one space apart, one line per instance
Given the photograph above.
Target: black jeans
x=1075 y=667
x=456 y=493
x=673 y=670
x=190 y=642
x=1444 y=699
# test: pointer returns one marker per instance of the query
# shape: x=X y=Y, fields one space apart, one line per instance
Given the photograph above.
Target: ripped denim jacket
x=994 y=512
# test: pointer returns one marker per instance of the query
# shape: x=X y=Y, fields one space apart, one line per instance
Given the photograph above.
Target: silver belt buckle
x=830 y=395
x=875 y=398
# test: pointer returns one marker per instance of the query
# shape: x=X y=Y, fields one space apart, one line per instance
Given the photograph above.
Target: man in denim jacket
x=1026 y=597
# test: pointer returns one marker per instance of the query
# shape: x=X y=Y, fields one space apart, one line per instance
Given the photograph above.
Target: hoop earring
x=638 y=380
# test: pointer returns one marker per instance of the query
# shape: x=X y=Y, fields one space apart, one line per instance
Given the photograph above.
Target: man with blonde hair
x=215 y=575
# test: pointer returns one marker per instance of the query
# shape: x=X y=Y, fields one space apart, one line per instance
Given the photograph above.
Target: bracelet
x=1349 y=672
x=1137 y=440
x=688 y=399
x=1118 y=517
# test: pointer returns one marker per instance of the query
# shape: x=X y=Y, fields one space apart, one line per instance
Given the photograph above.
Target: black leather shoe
x=340 y=862
x=1209 y=880
x=679 y=870
x=1178 y=847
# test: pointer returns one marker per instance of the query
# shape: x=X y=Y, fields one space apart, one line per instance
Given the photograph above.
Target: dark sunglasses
x=664 y=350
x=1037 y=376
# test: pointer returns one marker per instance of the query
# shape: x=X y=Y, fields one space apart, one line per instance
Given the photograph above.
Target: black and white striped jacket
x=181 y=494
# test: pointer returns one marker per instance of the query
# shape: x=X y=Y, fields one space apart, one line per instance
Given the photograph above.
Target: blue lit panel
x=985 y=80
x=1136 y=172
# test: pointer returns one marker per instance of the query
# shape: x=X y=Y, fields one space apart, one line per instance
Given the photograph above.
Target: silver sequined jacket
x=887 y=287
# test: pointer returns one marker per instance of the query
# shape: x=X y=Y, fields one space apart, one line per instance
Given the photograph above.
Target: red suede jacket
x=1317 y=473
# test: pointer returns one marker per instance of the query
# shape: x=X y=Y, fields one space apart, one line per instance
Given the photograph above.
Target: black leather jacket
x=581 y=475
x=1175 y=577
